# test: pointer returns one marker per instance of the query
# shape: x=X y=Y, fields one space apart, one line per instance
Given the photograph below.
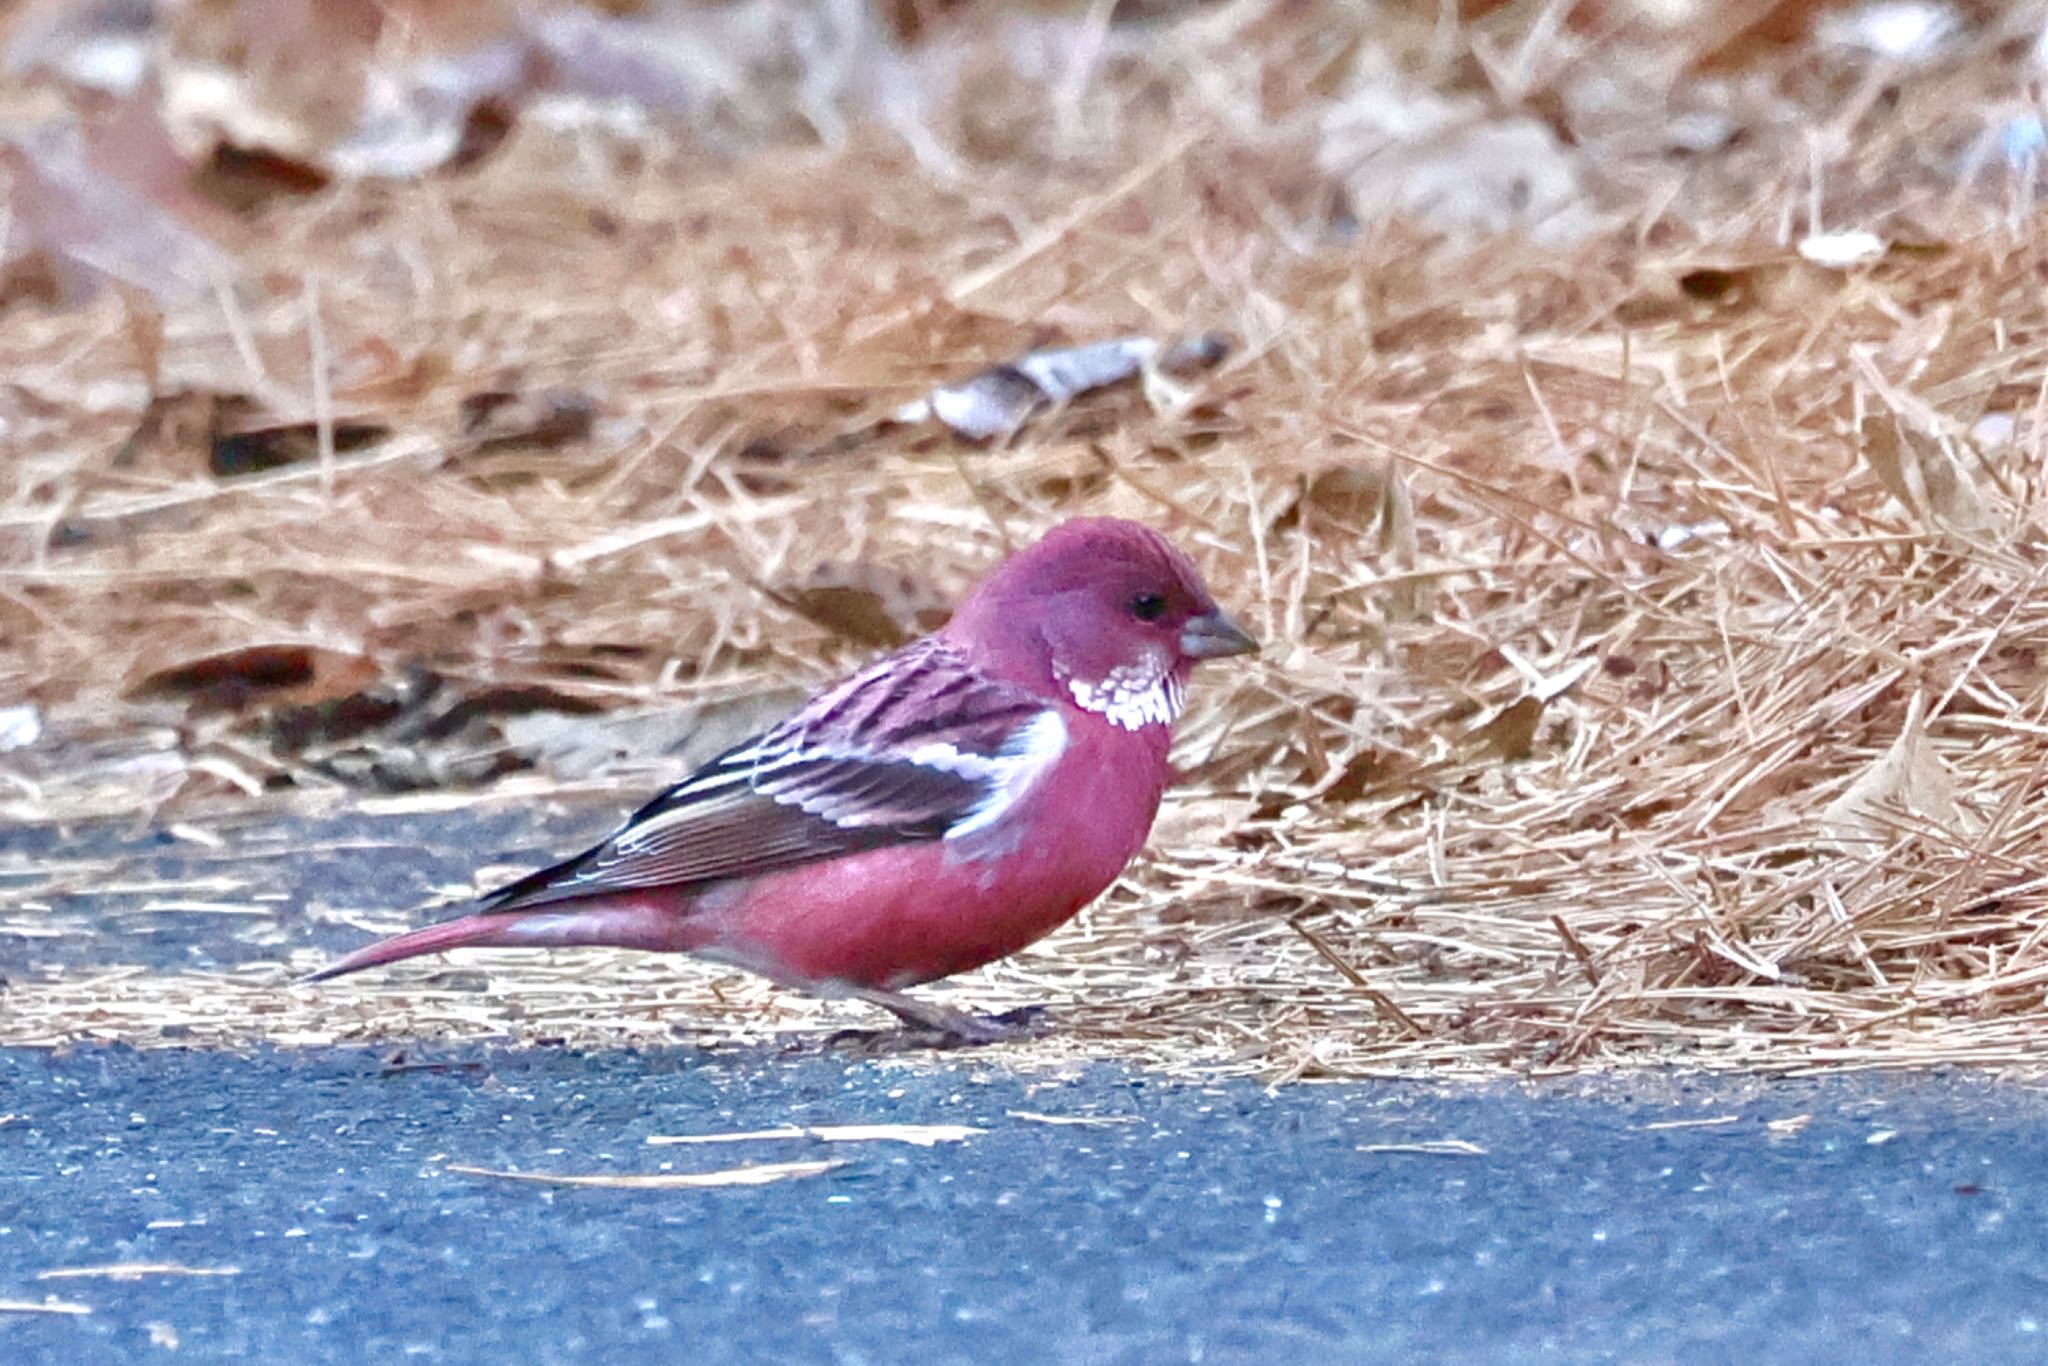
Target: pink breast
x=915 y=913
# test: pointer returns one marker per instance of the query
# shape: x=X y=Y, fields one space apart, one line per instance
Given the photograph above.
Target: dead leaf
x=231 y=434
x=177 y=430
x=999 y=400
x=1757 y=33
x=1711 y=284
x=36 y=277
x=1400 y=148
x=1923 y=474
x=1367 y=769
x=677 y=62
x=871 y=604
x=232 y=679
x=102 y=47
x=245 y=179
x=1410 y=597
x=1373 y=497
x=257 y=449
x=1318 y=677
x=1200 y=821
x=1511 y=731
x=282 y=77
x=507 y=419
x=1909 y=776
x=1351 y=494
x=93 y=222
x=419 y=729
x=375 y=372
x=762 y=1174
x=145 y=324
x=129 y=142
x=856 y=614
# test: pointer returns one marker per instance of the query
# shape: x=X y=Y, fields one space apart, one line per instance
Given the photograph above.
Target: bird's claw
x=1024 y=1022
x=936 y=1028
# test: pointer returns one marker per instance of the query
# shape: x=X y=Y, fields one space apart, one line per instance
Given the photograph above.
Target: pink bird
x=946 y=806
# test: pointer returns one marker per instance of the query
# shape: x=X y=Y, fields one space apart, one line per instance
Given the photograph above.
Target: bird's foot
x=928 y=1025
x=961 y=1030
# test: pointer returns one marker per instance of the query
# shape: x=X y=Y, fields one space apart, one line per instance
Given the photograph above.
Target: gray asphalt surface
x=115 y=887
x=1902 y=1221
x=1899 y=1220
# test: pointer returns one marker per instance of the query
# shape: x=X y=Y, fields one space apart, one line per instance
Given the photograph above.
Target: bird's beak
x=1213 y=635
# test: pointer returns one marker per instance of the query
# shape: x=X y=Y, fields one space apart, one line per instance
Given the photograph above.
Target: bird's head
x=1107 y=610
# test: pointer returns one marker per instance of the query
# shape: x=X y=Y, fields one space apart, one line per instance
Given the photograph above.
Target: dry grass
x=1657 y=660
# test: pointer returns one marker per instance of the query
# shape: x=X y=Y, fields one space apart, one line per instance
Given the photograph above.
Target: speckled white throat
x=1132 y=696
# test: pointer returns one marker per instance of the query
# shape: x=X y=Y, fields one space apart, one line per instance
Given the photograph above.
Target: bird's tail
x=624 y=922
x=471 y=931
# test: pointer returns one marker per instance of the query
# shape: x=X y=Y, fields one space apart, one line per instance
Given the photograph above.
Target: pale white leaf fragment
x=1909 y=31
x=1677 y=536
x=104 y=47
x=1559 y=683
x=920 y=1135
x=1993 y=431
x=1714 y=1123
x=413 y=116
x=761 y=1174
x=999 y=400
x=50 y=1306
x=1841 y=250
x=133 y=1271
x=20 y=727
x=1079 y=1121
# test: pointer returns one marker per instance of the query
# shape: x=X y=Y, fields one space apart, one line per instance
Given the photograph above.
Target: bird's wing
x=919 y=746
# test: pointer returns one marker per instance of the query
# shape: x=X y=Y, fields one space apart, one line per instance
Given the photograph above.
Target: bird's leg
x=950 y=1028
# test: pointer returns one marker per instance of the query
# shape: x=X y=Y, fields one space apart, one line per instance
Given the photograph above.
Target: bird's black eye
x=1148 y=607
